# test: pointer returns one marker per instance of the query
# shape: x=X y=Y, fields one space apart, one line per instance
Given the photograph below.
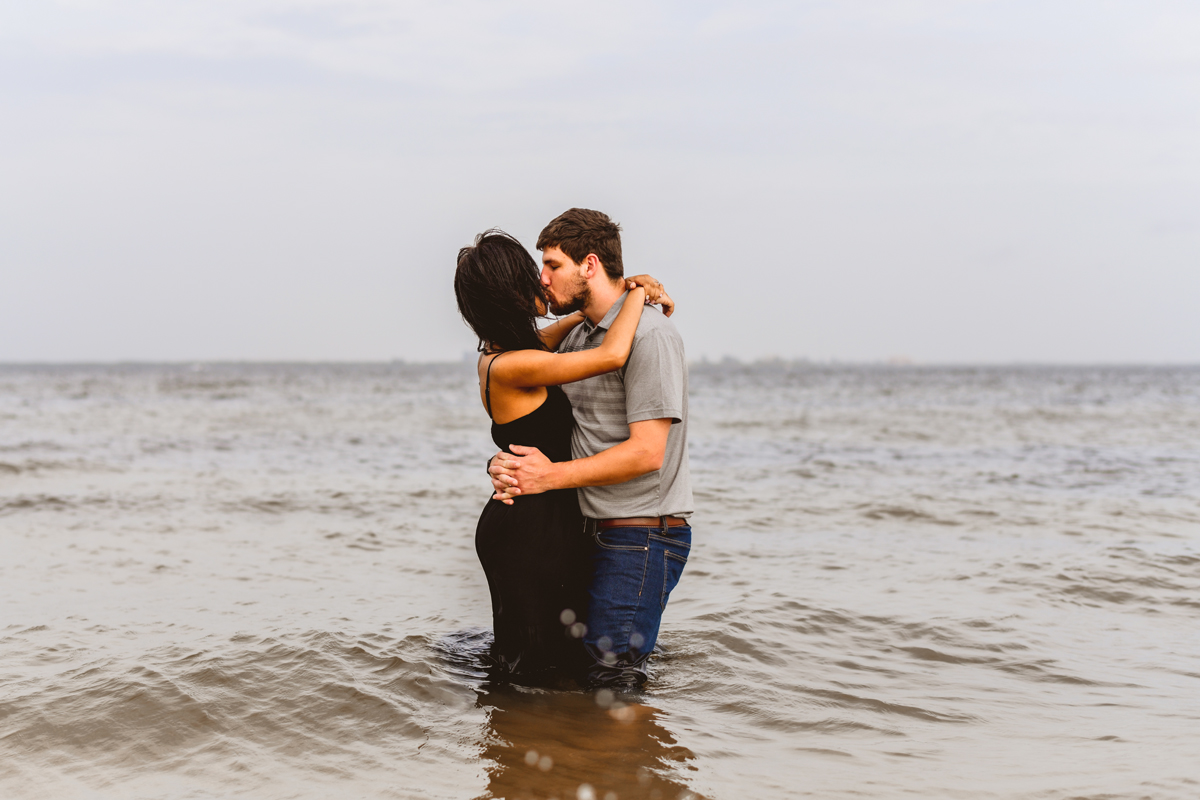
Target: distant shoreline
x=703 y=363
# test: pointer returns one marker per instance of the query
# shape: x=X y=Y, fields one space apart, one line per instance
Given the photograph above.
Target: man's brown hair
x=580 y=231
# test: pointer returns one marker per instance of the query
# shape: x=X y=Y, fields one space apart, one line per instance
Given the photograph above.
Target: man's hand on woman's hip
x=527 y=472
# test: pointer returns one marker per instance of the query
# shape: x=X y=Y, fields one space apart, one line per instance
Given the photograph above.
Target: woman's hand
x=656 y=293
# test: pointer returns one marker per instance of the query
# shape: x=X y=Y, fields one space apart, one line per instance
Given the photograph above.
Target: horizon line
x=703 y=361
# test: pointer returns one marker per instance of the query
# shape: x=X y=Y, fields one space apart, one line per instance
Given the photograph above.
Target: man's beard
x=581 y=297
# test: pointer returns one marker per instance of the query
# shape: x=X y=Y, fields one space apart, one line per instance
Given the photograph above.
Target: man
x=629 y=450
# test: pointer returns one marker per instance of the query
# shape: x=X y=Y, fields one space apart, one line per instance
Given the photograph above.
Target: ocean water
x=259 y=581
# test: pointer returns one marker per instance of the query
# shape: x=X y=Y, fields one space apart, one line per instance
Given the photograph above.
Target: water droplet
x=567 y=616
x=585 y=792
x=531 y=757
x=622 y=713
x=546 y=764
x=604 y=643
x=636 y=639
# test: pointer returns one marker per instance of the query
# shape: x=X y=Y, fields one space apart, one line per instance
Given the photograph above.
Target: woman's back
x=548 y=427
x=535 y=555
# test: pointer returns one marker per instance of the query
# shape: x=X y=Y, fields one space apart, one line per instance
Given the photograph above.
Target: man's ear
x=591 y=265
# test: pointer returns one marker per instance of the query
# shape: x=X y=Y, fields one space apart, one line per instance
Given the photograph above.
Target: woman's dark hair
x=498 y=285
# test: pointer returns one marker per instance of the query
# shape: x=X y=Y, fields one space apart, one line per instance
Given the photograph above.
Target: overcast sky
x=950 y=180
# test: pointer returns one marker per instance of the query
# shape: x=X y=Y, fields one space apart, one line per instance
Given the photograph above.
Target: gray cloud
x=945 y=180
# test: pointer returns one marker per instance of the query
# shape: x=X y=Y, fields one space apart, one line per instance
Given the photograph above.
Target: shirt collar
x=607 y=321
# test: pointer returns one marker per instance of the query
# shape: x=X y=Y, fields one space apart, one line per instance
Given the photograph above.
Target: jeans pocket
x=622 y=539
x=673 y=564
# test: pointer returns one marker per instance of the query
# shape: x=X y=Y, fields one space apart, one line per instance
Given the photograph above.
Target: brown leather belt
x=641 y=522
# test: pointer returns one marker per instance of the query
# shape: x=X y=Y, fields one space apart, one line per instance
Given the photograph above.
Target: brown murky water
x=259 y=581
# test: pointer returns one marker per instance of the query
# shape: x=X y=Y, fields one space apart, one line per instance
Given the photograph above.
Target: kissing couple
x=587 y=531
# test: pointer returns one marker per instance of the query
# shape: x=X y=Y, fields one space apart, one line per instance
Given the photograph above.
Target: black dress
x=535 y=555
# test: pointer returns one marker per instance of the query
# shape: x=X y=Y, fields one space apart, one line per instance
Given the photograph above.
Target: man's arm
x=530 y=472
x=654 y=393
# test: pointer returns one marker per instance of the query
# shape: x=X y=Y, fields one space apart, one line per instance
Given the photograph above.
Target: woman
x=533 y=550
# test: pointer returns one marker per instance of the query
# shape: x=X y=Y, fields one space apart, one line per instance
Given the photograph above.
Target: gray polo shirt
x=653 y=384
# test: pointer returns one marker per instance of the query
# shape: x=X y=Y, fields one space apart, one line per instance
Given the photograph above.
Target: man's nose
x=545 y=276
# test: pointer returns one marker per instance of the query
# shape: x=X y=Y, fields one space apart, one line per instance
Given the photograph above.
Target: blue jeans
x=633 y=573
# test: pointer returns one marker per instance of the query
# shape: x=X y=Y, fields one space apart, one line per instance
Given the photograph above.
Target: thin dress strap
x=487 y=388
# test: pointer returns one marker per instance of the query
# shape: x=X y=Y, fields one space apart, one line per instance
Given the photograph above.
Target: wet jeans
x=633 y=573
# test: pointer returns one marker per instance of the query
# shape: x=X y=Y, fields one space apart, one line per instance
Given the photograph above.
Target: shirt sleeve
x=654 y=377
